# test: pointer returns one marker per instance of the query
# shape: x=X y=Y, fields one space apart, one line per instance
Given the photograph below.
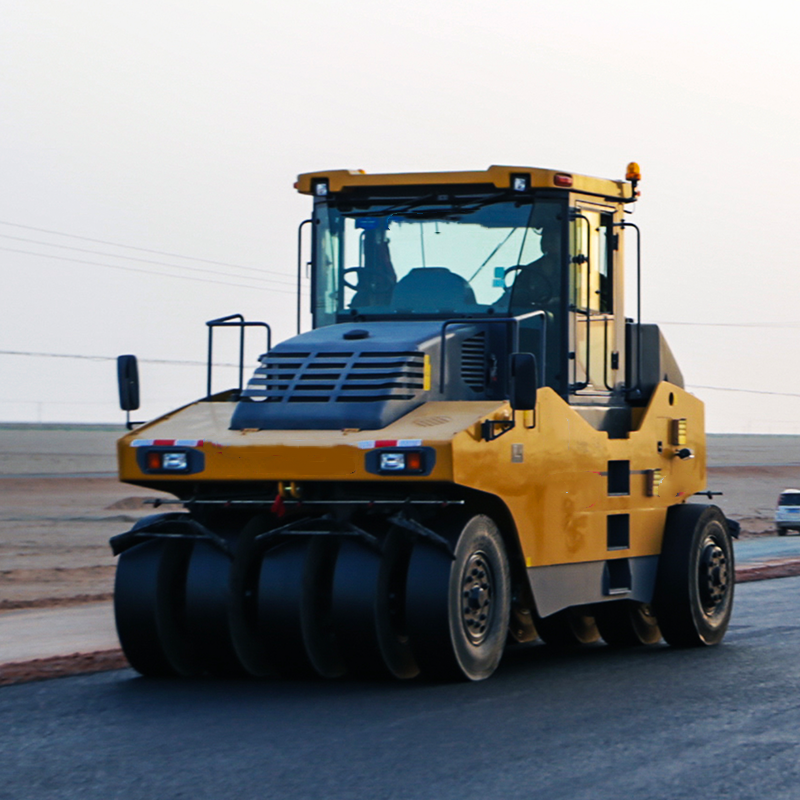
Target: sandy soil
x=54 y=544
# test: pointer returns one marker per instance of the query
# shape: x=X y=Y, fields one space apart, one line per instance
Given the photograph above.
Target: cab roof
x=499 y=177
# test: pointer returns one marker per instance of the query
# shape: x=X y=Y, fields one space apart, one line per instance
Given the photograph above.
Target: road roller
x=471 y=448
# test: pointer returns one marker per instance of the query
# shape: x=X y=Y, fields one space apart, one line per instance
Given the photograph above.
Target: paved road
x=655 y=723
x=766 y=548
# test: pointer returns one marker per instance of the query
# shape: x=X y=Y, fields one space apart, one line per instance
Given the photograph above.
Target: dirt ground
x=60 y=503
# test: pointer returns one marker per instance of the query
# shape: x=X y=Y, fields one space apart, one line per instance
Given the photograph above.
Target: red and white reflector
x=167 y=443
x=375 y=443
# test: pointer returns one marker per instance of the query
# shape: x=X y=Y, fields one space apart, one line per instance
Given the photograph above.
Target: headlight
x=175 y=461
x=393 y=462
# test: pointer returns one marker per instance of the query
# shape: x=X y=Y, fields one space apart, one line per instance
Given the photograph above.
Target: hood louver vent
x=473 y=362
x=324 y=377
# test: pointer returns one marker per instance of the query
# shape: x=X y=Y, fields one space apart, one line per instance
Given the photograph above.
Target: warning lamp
x=154 y=460
x=633 y=173
x=562 y=179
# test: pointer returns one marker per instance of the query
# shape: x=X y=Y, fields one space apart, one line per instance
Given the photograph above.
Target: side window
x=605 y=263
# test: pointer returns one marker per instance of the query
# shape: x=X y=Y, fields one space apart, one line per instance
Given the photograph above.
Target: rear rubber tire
x=569 y=627
x=220 y=606
x=368 y=607
x=696 y=576
x=294 y=607
x=625 y=623
x=458 y=608
x=149 y=605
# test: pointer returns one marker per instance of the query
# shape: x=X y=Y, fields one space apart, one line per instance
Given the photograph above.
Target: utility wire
x=149 y=271
x=150 y=261
x=129 y=246
x=114 y=358
x=746 y=391
x=227 y=364
x=736 y=324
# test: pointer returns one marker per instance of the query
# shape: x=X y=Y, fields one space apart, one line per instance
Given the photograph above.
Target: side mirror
x=128 y=380
x=524 y=381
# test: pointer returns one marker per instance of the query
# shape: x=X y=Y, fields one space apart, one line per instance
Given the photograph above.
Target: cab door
x=593 y=356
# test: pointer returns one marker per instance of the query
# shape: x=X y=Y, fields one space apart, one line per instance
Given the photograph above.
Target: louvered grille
x=473 y=361
x=336 y=377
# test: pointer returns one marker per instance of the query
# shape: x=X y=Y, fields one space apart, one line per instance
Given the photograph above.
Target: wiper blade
x=448 y=210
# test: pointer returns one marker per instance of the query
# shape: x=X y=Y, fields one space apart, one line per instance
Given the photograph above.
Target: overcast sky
x=159 y=142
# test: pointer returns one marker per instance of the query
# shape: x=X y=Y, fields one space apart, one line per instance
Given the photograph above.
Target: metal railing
x=232 y=321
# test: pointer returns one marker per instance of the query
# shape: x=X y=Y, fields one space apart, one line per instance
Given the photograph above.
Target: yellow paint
x=426 y=373
x=558 y=495
x=496 y=176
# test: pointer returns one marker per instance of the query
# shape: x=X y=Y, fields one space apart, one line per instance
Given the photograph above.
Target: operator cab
x=443 y=254
x=537 y=247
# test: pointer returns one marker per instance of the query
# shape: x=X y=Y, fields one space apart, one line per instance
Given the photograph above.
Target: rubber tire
x=149 y=604
x=294 y=607
x=678 y=604
x=782 y=531
x=368 y=604
x=434 y=604
x=570 y=627
x=220 y=606
x=626 y=623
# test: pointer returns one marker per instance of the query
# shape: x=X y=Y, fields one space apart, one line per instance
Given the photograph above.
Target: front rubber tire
x=458 y=607
x=696 y=576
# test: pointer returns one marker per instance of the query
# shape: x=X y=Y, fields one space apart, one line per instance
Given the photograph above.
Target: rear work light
x=167 y=460
x=406 y=461
x=400 y=462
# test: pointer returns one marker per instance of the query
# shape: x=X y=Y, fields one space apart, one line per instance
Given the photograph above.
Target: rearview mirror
x=128 y=380
x=524 y=381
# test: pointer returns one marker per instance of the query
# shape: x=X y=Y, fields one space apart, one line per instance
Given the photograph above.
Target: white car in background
x=787 y=514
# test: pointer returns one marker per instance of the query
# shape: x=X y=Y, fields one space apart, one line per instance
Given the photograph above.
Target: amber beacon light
x=633 y=173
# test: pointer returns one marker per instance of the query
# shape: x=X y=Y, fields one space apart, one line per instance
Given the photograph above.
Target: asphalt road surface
x=598 y=723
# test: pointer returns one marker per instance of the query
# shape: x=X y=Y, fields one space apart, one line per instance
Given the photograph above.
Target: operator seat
x=432 y=289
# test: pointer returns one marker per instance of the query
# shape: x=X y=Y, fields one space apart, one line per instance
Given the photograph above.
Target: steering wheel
x=531 y=286
x=354 y=287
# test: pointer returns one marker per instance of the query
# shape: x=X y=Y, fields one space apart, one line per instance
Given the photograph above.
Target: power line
x=229 y=364
x=127 y=246
x=736 y=324
x=149 y=260
x=746 y=391
x=148 y=271
x=114 y=358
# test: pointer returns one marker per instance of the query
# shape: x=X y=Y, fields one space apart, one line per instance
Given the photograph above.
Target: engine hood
x=354 y=375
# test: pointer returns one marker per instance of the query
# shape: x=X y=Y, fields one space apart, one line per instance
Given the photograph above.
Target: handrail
x=636 y=388
x=577 y=387
x=226 y=322
x=513 y=322
x=300 y=267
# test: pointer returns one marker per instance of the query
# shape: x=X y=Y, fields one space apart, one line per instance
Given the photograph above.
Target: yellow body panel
x=497 y=176
x=557 y=493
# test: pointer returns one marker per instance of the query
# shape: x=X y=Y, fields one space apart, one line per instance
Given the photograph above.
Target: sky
x=148 y=152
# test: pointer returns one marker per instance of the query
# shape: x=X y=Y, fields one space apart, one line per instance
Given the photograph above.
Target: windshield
x=429 y=258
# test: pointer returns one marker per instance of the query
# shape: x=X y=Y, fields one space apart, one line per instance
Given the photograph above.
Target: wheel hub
x=713 y=574
x=476 y=597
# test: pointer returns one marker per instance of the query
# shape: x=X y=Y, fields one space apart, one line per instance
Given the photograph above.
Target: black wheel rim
x=713 y=577
x=477 y=585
